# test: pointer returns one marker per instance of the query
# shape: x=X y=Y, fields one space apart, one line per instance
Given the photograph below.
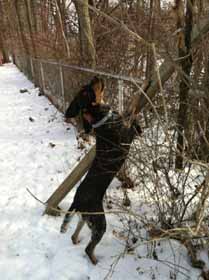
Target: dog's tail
x=67 y=219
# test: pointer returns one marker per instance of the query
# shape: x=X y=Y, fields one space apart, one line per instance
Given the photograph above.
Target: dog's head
x=91 y=95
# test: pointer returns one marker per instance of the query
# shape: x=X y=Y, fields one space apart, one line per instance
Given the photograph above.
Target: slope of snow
x=31 y=245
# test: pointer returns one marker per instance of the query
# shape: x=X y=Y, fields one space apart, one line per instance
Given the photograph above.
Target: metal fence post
x=62 y=86
x=120 y=96
x=32 y=68
x=42 y=76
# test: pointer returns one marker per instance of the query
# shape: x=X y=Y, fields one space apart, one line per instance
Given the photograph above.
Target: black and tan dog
x=113 y=140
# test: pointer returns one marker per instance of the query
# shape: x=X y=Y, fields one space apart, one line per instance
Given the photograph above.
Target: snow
x=31 y=244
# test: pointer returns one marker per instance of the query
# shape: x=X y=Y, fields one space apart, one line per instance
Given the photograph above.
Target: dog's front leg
x=97 y=224
x=67 y=220
x=79 y=227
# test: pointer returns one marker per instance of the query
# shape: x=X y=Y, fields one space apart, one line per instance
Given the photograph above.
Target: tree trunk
x=3 y=47
x=61 y=26
x=87 y=49
x=184 y=46
x=29 y=16
x=204 y=129
x=20 y=28
x=3 y=50
x=150 y=56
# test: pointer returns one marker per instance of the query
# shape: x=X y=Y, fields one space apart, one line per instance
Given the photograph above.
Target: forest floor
x=37 y=151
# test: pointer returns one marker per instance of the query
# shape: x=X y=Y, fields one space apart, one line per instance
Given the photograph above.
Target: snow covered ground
x=37 y=151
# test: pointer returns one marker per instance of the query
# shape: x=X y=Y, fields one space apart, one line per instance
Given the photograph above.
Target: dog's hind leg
x=97 y=225
x=67 y=220
x=79 y=227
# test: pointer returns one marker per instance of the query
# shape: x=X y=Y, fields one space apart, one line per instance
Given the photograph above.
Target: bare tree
x=88 y=53
x=184 y=25
x=3 y=29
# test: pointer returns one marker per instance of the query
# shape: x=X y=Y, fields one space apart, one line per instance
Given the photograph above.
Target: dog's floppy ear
x=74 y=108
x=97 y=85
x=81 y=101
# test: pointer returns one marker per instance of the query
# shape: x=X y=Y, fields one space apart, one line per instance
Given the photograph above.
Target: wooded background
x=115 y=37
x=157 y=50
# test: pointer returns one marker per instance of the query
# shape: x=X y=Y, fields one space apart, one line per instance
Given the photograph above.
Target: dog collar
x=103 y=120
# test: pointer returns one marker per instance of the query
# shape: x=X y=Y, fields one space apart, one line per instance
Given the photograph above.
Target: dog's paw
x=75 y=240
x=63 y=228
x=91 y=256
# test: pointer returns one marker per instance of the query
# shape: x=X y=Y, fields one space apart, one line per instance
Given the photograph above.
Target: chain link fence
x=60 y=82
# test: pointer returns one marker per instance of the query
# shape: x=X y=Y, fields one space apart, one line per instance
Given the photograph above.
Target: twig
x=116 y=212
x=160 y=82
x=62 y=29
x=203 y=133
x=119 y=23
x=35 y=197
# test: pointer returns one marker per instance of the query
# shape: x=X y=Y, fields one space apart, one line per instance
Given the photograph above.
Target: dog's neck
x=98 y=112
